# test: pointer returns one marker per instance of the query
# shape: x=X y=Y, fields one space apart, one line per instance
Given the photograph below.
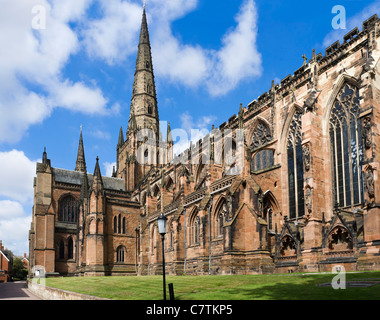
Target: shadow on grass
x=287 y=288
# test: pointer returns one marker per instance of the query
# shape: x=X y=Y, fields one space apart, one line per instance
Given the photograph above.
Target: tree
x=18 y=270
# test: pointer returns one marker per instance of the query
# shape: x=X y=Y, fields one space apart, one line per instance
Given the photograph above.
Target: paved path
x=16 y=291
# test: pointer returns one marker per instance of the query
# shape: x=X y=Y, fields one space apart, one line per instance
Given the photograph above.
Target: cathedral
x=288 y=184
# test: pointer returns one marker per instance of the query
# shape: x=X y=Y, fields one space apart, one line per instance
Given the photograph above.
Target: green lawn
x=236 y=287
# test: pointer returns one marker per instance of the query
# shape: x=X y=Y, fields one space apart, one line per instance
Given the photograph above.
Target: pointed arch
x=195 y=224
x=341 y=81
x=270 y=209
x=292 y=148
x=288 y=246
x=121 y=254
x=293 y=109
x=260 y=134
x=156 y=190
x=269 y=196
x=339 y=238
x=68 y=208
x=219 y=217
x=70 y=248
x=346 y=150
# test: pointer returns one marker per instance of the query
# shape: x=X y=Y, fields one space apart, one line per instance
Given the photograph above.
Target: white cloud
x=17 y=173
x=14 y=227
x=35 y=58
x=109 y=168
x=238 y=58
x=113 y=36
x=10 y=210
x=78 y=97
x=16 y=192
x=219 y=71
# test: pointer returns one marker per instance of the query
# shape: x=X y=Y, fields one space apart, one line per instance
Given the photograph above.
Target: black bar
x=171 y=291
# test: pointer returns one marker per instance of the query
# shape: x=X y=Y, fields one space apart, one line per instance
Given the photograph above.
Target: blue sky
x=208 y=56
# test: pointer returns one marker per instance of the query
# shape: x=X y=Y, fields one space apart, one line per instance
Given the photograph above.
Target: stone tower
x=139 y=152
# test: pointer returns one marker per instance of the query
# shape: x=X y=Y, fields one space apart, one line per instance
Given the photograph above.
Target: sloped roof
x=76 y=177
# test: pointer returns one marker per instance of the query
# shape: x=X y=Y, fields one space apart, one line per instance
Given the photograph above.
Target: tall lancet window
x=346 y=148
x=295 y=168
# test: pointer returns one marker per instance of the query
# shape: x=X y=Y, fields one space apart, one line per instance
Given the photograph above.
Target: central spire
x=144 y=112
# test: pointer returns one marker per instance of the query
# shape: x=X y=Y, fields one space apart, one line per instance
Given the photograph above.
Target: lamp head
x=161 y=221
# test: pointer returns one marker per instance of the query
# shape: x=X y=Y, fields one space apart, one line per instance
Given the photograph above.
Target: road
x=16 y=291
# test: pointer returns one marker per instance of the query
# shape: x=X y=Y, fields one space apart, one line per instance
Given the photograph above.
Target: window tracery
x=346 y=148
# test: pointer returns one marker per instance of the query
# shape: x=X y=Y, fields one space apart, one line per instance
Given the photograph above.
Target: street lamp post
x=161 y=221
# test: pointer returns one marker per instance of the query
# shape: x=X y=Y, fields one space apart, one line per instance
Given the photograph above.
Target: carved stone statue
x=370 y=183
x=308 y=199
x=366 y=133
x=306 y=157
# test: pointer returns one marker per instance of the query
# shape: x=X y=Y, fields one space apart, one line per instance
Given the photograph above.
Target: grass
x=234 y=287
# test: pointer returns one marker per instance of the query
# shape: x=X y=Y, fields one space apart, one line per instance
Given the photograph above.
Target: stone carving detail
x=261 y=135
x=370 y=183
x=288 y=247
x=366 y=133
x=308 y=199
x=306 y=157
x=340 y=239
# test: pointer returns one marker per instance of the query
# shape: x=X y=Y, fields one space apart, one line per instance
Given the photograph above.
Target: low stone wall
x=48 y=293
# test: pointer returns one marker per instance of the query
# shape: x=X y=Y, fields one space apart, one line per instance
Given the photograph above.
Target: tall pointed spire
x=97 y=181
x=81 y=161
x=144 y=100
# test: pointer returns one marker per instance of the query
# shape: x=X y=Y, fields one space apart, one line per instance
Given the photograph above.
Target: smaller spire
x=97 y=168
x=44 y=156
x=121 y=138
x=81 y=161
x=169 y=134
x=97 y=181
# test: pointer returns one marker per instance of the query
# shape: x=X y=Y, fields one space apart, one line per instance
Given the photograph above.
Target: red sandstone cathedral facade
x=288 y=184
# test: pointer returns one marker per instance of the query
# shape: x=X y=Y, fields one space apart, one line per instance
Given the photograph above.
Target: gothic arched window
x=346 y=148
x=120 y=254
x=61 y=250
x=196 y=230
x=220 y=224
x=68 y=209
x=262 y=160
x=261 y=135
x=114 y=224
x=70 y=249
x=295 y=168
x=119 y=224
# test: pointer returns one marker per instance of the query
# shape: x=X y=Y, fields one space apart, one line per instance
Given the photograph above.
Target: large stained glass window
x=295 y=168
x=346 y=148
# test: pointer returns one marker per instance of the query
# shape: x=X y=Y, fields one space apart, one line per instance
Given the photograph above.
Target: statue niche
x=339 y=240
x=288 y=247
